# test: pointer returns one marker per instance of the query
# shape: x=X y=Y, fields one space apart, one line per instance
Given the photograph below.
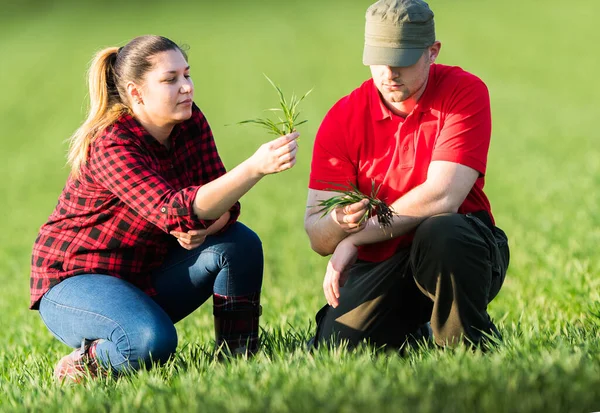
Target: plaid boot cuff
x=237 y=323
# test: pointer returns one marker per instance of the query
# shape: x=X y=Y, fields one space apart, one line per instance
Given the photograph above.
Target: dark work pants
x=451 y=272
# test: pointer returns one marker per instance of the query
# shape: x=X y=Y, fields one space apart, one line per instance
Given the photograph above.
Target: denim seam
x=102 y=316
x=209 y=249
x=226 y=266
x=183 y=259
x=214 y=251
x=51 y=330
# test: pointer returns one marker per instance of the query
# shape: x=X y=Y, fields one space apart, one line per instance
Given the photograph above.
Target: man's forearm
x=409 y=211
x=373 y=232
x=324 y=233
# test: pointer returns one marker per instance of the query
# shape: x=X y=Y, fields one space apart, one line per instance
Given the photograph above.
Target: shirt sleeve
x=466 y=132
x=212 y=165
x=123 y=168
x=332 y=166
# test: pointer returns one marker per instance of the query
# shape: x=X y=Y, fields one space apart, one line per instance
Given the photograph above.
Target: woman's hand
x=276 y=156
x=191 y=239
x=196 y=237
x=343 y=257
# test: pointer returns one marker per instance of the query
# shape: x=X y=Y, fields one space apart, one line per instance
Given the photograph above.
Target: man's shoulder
x=450 y=77
x=355 y=101
x=452 y=86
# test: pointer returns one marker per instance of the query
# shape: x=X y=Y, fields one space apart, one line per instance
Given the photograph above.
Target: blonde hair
x=110 y=71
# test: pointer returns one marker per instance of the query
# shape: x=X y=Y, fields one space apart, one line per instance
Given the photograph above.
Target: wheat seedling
x=383 y=211
x=288 y=119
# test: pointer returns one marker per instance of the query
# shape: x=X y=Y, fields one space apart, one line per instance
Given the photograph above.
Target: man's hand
x=326 y=232
x=343 y=257
x=191 y=239
x=348 y=217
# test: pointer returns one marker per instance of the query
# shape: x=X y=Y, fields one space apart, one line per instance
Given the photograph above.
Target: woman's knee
x=148 y=343
x=242 y=250
x=241 y=261
x=248 y=240
x=158 y=345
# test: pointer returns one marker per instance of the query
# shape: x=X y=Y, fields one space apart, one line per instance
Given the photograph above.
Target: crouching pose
x=146 y=229
x=420 y=131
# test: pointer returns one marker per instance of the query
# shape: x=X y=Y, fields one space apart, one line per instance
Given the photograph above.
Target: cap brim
x=390 y=56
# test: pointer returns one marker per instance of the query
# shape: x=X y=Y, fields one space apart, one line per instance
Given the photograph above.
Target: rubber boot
x=237 y=324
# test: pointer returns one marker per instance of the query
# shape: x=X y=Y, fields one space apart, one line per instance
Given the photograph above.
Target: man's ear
x=434 y=51
x=134 y=93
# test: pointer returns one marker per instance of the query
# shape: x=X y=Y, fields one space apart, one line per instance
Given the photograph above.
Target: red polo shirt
x=361 y=140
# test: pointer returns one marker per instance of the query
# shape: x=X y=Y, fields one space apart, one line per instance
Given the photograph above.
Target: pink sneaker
x=78 y=365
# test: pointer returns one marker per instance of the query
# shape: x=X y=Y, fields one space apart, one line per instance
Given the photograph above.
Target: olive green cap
x=397 y=32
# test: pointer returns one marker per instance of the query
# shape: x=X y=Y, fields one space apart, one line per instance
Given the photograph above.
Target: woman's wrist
x=219 y=224
x=251 y=169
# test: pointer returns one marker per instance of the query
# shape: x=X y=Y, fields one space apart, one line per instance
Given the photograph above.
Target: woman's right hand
x=277 y=155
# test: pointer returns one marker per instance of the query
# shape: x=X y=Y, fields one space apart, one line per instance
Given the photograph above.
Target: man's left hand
x=343 y=257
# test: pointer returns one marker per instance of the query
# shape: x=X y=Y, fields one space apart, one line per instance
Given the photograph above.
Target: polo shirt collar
x=378 y=109
x=424 y=104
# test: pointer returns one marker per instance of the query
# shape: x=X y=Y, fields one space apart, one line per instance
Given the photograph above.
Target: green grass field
x=540 y=63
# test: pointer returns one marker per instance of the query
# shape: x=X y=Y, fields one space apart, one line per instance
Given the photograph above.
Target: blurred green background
x=539 y=61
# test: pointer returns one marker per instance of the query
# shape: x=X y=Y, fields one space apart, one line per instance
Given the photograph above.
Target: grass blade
x=287 y=123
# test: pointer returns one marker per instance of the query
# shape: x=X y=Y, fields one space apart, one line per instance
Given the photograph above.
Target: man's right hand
x=349 y=217
x=325 y=232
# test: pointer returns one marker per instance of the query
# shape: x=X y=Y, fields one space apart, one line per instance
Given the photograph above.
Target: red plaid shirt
x=116 y=217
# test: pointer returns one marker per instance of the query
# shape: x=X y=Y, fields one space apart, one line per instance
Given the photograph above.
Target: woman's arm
x=219 y=224
x=121 y=167
x=216 y=197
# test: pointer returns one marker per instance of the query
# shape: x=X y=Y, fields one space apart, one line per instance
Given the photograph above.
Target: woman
x=145 y=229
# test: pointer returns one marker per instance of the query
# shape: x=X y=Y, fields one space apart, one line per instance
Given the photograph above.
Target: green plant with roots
x=287 y=117
x=351 y=195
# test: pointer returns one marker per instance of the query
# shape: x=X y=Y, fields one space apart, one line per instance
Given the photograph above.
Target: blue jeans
x=135 y=329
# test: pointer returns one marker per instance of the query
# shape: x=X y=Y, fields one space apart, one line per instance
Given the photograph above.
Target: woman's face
x=167 y=91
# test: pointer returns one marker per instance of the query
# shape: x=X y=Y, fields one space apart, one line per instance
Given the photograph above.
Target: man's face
x=398 y=84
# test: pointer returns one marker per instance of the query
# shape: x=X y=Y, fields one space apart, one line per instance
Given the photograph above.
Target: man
x=422 y=131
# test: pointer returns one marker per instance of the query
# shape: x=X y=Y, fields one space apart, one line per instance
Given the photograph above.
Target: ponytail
x=110 y=70
x=106 y=106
